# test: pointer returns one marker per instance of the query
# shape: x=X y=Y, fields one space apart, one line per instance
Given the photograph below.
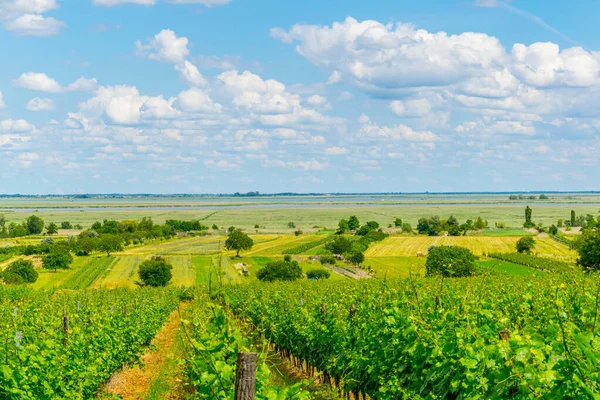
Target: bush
x=450 y=261
x=155 y=272
x=356 y=258
x=284 y=270
x=328 y=260
x=66 y=225
x=318 y=274
x=588 y=247
x=525 y=244
x=339 y=245
x=57 y=259
x=20 y=271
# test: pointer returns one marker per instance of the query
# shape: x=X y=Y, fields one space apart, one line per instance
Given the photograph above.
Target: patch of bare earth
x=133 y=382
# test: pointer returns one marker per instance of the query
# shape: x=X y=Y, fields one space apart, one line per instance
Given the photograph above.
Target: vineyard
x=531 y=261
x=66 y=344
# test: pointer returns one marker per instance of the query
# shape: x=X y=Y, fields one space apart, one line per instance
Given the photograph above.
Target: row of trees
x=33 y=225
x=434 y=226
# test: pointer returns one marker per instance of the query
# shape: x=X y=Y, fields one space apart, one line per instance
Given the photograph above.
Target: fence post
x=65 y=327
x=245 y=376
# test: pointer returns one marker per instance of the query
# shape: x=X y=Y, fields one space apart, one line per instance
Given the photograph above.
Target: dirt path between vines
x=135 y=382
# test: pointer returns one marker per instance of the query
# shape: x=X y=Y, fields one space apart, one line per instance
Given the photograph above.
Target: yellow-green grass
x=204 y=268
x=280 y=244
x=184 y=272
x=396 y=267
x=92 y=267
x=49 y=279
x=411 y=246
x=505 y=267
x=121 y=273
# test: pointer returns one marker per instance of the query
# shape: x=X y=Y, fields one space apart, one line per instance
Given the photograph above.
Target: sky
x=223 y=96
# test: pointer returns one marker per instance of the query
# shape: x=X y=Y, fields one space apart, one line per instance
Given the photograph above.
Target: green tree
x=588 y=247
x=110 y=243
x=291 y=225
x=398 y=222
x=146 y=224
x=339 y=245
x=52 y=228
x=450 y=261
x=215 y=227
x=528 y=223
x=356 y=258
x=525 y=244
x=58 y=259
x=317 y=274
x=2 y=221
x=480 y=224
x=353 y=223
x=553 y=229
x=283 y=270
x=343 y=226
x=66 y=225
x=155 y=272
x=238 y=241
x=35 y=225
x=407 y=228
x=20 y=271
x=543 y=197
x=573 y=218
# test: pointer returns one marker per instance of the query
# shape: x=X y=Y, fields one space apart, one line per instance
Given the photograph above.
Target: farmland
x=389 y=284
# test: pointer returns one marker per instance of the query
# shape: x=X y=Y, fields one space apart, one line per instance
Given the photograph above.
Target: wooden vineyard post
x=245 y=376
x=65 y=327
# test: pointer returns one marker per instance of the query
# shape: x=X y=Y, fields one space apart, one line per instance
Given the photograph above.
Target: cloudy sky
x=209 y=96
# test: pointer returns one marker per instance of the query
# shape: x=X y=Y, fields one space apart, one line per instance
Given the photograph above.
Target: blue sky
x=215 y=96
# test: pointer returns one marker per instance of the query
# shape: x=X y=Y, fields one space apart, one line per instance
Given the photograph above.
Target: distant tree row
x=434 y=226
x=530 y=197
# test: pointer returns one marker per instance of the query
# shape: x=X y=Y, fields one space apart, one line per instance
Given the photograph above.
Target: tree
x=146 y=224
x=525 y=244
x=128 y=225
x=452 y=226
x=110 y=243
x=573 y=218
x=66 y=225
x=238 y=241
x=155 y=272
x=339 y=245
x=407 y=228
x=20 y=271
x=543 y=197
x=430 y=226
x=553 y=229
x=353 y=223
x=343 y=226
x=52 y=228
x=35 y=225
x=58 y=259
x=450 y=261
x=528 y=223
x=588 y=247
x=291 y=225
x=215 y=227
x=356 y=258
x=317 y=274
x=86 y=245
x=398 y=222
x=284 y=270
x=2 y=221
x=480 y=224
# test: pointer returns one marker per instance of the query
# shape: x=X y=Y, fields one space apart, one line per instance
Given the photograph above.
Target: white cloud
x=372 y=130
x=220 y=164
x=410 y=108
x=37 y=81
x=317 y=100
x=189 y=72
x=40 y=104
x=83 y=85
x=165 y=46
x=195 y=100
x=19 y=125
x=336 y=151
x=309 y=165
x=2 y=105
x=207 y=3
x=34 y=25
x=26 y=159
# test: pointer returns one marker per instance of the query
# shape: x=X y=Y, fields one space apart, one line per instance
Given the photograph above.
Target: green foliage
x=343 y=226
x=215 y=227
x=155 y=272
x=20 y=271
x=543 y=197
x=317 y=274
x=291 y=225
x=57 y=259
x=356 y=258
x=238 y=241
x=450 y=261
x=398 y=222
x=107 y=328
x=407 y=228
x=539 y=263
x=66 y=225
x=430 y=226
x=339 y=245
x=327 y=260
x=353 y=223
x=528 y=222
x=553 y=230
x=35 y=225
x=525 y=244
x=588 y=247
x=109 y=243
x=285 y=270
x=427 y=338
x=52 y=228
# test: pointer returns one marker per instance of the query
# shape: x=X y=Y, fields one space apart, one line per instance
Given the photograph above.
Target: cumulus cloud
x=189 y=72
x=336 y=151
x=197 y=101
x=18 y=126
x=25 y=17
x=165 y=46
x=41 y=82
x=372 y=130
x=40 y=104
x=2 y=105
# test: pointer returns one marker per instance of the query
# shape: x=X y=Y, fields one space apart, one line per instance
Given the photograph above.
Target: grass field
x=411 y=245
x=396 y=267
x=121 y=273
x=506 y=267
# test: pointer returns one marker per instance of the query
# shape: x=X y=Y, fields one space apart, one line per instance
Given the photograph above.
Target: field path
x=157 y=368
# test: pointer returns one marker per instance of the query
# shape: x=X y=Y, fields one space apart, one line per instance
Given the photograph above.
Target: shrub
x=339 y=245
x=58 y=259
x=298 y=232
x=318 y=274
x=588 y=247
x=525 y=244
x=66 y=225
x=328 y=260
x=284 y=270
x=155 y=272
x=20 y=271
x=356 y=258
x=450 y=261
